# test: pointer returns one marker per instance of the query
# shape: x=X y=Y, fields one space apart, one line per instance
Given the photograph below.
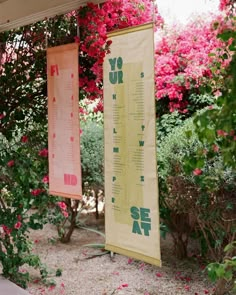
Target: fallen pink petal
x=125 y=285
x=62 y=285
x=51 y=288
x=159 y=275
x=187 y=288
x=130 y=260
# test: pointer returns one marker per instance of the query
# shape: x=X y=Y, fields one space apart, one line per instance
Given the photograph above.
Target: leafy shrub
x=171 y=152
x=175 y=147
x=92 y=153
x=199 y=101
x=225 y=272
x=197 y=192
x=167 y=122
x=91 y=110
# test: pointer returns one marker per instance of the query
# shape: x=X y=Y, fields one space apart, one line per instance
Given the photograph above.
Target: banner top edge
x=69 y=46
x=130 y=29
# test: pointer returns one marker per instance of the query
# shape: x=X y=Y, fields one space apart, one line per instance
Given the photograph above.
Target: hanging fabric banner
x=132 y=211
x=63 y=121
x=131 y=187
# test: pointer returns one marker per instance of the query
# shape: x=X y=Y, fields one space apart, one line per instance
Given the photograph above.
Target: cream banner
x=63 y=121
x=131 y=187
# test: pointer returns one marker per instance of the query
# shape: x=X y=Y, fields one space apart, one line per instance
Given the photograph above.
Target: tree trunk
x=223 y=287
x=180 y=247
x=73 y=209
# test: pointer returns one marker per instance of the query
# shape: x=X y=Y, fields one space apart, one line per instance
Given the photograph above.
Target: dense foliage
x=185 y=62
x=95 y=22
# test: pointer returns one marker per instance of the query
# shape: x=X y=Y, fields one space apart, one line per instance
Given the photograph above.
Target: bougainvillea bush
x=24 y=199
x=95 y=22
x=186 y=58
x=23 y=186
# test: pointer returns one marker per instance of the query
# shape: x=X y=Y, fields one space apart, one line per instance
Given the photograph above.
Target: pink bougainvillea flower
x=62 y=205
x=43 y=153
x=80 y=131
x=18 y=225
x=2 y=116
x=224 y=4
x=76 y=39
x=11 y=163
x=65 y=214
x=217 y=93
x=36 y=241
x=205 y=151
x=109 y=42
x=222 y=133
x=36 y=192
x=6 y=229
x=19 y=217
x=99 y=107
x=215 y=148
x=24 y=139
x=45 y=179
x=197 y=171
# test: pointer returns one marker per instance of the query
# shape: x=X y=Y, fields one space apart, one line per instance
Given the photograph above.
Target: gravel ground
x=119 y=275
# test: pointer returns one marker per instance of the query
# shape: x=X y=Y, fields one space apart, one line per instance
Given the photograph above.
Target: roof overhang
x=17 y=13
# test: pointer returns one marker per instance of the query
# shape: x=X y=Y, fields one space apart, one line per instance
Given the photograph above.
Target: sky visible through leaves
x=179 y=11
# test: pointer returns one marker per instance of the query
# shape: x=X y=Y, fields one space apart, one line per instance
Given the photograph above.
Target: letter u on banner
x=131 y=186
x=63 y=121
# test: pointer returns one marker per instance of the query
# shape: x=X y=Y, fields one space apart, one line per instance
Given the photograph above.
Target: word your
x=116 y=74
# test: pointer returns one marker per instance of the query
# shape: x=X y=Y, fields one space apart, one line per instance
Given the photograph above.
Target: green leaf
x=230 y=247
x=58 y=272
x=220 y=271
x=228 y=275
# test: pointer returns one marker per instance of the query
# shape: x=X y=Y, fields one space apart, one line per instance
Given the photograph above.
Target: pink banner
x=63 y=122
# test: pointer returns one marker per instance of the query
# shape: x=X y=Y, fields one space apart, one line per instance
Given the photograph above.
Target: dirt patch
x=119 y=275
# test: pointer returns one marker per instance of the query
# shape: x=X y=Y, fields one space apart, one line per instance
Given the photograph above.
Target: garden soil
x=106 y=275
